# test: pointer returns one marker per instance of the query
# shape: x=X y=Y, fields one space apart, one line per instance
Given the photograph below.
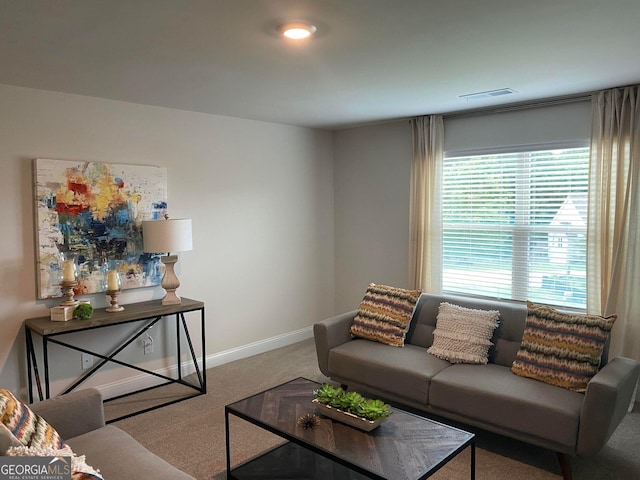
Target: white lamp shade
x=165 y=236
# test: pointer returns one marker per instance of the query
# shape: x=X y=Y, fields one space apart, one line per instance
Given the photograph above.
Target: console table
x=147 y=314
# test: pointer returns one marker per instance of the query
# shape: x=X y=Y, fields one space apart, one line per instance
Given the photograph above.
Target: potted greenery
x=83 y=311
x=350 y=408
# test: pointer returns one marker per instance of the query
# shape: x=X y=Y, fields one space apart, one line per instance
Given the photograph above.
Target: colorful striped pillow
x=562 y=349
x=35 y=437
x=384 y=314
x=29 y=428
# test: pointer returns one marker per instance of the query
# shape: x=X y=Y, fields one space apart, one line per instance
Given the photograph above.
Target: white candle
x=112 y=280
x=68 y=271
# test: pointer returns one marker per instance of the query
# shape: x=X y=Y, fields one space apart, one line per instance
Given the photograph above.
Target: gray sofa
x=487 y=396
x=79 y=419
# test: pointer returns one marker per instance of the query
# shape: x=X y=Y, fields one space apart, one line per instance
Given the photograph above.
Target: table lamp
x=166 y=236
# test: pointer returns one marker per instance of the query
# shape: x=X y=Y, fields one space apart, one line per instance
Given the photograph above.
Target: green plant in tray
x=373 y=409
x=328 y=395
x=352 y=402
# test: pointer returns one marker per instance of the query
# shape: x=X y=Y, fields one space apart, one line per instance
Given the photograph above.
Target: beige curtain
x=425 y=221
x=613 y=231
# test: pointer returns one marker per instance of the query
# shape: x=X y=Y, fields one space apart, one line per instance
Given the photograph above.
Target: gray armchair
x=79 y=419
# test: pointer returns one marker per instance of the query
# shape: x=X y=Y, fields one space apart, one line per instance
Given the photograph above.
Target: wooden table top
x=101 y=318
x=404 y=446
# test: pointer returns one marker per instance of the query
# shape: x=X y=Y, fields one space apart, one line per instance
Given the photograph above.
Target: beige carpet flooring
x=191 y=434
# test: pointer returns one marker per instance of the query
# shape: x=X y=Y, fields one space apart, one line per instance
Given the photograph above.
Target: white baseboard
x=258 y=347
x=137 y=382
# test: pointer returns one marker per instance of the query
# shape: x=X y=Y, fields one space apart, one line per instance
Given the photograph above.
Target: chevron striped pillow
x=35 y=437
x=384 y=314
x=29 y=428
x=561 y=349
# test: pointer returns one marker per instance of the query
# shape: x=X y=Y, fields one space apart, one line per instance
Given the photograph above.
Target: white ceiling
x=370 y=61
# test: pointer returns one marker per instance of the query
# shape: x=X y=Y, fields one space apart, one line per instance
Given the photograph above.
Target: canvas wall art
x=95 y=210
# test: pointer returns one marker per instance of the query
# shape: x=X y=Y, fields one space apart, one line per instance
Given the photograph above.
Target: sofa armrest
x=330 y=333
x=74 y=413
x=605 y=403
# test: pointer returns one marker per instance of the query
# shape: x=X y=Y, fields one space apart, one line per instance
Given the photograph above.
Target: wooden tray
x=347 y=418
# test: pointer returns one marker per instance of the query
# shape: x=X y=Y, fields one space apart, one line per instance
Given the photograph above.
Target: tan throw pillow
x=384 y=314
x=563 y=349
x=463 y=335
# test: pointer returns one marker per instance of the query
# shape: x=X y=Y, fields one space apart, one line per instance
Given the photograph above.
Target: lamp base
x=171 y=298
x=170 y=281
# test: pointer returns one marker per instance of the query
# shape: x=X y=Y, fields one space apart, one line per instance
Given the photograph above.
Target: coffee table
x=404 y=447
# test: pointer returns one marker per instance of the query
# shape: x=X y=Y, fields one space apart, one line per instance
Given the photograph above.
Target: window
x=514 y=225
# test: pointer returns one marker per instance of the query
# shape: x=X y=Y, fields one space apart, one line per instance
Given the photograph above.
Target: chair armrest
x=330 y=333
x=74 y=413
x=605 y=403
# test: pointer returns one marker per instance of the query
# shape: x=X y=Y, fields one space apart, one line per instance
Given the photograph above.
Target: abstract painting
x=95 y=211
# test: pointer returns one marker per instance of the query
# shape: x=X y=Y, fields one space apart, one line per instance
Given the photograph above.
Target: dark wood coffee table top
x=405 y=446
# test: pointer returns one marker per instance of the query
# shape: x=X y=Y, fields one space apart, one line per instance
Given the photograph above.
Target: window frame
x=520 y=229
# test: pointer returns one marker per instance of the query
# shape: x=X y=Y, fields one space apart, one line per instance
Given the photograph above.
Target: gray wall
x=260 y=196
x=371 y=183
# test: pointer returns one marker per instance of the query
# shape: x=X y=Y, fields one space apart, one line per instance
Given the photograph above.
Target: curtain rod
x=547 y=102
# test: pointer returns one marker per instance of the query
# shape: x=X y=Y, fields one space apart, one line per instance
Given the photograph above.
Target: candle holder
x=114 y=302
x=68 y=278
x=114 y=285
x=67 y=289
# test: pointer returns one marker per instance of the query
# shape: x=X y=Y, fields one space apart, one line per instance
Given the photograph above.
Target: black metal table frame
x=200 y=387
x=227 y=411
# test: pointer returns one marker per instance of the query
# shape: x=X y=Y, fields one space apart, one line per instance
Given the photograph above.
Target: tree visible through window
x=514 y=225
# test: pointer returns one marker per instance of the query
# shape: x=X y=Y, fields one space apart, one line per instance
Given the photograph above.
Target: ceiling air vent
x=488 y=94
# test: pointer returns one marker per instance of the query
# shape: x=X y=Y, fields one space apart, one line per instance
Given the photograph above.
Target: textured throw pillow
x=29 y=428
x=562 y=349
x=463 y=335
x=384 y=314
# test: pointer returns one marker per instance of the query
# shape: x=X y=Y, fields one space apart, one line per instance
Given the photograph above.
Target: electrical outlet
x=87 y=361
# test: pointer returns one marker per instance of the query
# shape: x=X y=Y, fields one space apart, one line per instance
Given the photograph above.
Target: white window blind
x=514 y=225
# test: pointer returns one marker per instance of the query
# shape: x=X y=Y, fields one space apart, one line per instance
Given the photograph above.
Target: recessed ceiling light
x=297 y=31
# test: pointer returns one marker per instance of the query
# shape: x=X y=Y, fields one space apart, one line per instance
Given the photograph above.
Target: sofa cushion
x=124 y=457
x=493 y=394
x=73 y=413
x=506 y=337
x=463 y=335
x=384 y=314
x=29 y=428
x=7 y=439
x=406 y=371
x=562 y=349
